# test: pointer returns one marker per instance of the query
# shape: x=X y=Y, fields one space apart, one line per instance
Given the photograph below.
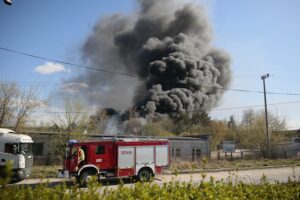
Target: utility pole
x=263 y=77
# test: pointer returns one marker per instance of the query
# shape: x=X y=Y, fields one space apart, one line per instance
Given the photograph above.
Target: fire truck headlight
x=21 y=162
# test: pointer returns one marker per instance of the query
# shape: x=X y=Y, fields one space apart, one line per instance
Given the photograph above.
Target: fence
x=287 y=150
x=237 y=154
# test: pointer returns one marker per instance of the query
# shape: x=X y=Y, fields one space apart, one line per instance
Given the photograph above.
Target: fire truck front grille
x=28 y=165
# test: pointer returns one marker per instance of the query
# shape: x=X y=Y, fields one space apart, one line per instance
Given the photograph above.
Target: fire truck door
x=74 y=158
x=144 y=157
x=104 y=156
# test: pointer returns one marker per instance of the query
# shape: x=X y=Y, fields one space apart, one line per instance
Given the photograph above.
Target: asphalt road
x=248 y=176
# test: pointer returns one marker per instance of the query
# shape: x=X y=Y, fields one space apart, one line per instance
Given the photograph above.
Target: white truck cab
x=17 y=149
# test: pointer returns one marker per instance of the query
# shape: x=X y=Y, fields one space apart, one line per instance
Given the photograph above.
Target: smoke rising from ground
x=167 y=45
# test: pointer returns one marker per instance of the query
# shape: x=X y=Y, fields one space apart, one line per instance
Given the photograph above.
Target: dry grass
x=45 y=171
x=234 y=165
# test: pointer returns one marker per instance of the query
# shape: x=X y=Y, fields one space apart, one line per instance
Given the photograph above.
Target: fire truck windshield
x=26 y=148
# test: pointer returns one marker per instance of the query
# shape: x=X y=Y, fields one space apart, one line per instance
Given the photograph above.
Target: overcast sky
x=260 y=36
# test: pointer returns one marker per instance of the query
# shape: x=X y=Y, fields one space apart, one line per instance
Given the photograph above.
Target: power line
x=45 y=84
x=253 y=106
x=260 y=92
x=66 y=63
x=122 y=73
x=126 y=83
x=229 y=108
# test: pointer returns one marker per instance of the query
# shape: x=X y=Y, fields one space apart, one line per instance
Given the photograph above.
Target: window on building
x=178 y=152
x=172 y=152
x=196 y=153
x=37 y=149
x=100 y=150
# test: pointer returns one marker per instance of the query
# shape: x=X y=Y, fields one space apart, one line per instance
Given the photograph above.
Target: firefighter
x=81 y=155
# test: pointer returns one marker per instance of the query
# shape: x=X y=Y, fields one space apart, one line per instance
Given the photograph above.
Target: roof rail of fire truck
x=131 y=138
x=141 y=139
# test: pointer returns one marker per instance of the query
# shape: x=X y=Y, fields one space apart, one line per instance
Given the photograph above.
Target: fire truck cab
x=116 y=158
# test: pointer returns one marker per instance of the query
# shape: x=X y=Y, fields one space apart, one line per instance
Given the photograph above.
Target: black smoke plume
x=167 y=45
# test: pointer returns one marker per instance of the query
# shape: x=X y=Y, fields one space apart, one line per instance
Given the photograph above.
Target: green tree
x=185 y=123
x=162 y=126
x=252 y=133
x=232 y=123
x=219 y=132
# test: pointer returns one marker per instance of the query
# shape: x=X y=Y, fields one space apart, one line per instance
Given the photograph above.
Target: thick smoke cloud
x=167 y=45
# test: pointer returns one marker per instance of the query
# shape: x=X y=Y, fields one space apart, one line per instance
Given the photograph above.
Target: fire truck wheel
x=84 y=177
x=145 y=175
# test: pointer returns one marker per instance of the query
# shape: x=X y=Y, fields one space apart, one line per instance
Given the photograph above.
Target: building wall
x=192 y=149
x=45 y=147
x=287 y=150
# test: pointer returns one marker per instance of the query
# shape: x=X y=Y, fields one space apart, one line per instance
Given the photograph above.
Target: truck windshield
x=26 y=148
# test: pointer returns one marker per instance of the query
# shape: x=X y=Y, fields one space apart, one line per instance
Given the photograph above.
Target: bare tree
x=27 y=102
x=16 y=105
x=73 y=118
x=71 y=123
x=8 y=94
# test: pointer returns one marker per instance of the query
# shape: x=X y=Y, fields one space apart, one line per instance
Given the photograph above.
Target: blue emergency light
x=72 y=142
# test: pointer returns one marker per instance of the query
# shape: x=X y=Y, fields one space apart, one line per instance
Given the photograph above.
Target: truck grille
x=28 y=165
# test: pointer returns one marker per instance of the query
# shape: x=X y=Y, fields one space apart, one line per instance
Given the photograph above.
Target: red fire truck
x=116 y=158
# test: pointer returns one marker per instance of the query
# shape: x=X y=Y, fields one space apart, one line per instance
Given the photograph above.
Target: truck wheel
x=84 y=178
x=145 y=175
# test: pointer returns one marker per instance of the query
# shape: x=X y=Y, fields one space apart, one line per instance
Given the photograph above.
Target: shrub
x=225 y=189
